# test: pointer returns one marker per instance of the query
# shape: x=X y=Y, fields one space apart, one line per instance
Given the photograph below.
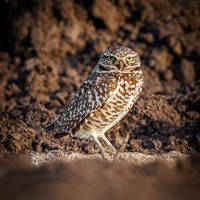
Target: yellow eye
x=129 y=59
x=111 y=58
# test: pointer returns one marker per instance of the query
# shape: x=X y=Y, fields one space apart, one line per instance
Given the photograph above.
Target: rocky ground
x=48 y=48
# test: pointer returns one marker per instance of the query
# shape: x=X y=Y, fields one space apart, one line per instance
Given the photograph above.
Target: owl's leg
x=96 y=141
x=117 y=155
x=111 y=147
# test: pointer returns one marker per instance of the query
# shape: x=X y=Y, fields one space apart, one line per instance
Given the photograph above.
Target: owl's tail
x=48 y=127
x=51 y=127
x=45 y=129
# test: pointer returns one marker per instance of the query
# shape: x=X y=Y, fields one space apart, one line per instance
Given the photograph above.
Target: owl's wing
x=90 y=96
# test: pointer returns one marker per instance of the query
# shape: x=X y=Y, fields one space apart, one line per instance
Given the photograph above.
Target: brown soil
x=48 y=48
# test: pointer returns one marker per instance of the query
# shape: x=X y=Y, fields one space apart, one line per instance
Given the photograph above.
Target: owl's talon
x=95 y=151
x=111 y=151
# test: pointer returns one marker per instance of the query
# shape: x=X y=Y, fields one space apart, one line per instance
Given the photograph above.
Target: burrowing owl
x=103 y=99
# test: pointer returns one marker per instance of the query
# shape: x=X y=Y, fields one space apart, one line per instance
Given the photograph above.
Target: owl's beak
x=121 y=65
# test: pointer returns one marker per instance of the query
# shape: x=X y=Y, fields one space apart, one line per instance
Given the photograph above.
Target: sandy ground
x=171 y=158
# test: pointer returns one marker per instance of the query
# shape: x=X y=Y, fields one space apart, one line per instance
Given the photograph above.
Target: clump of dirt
x=49 y=48
x=80 y=180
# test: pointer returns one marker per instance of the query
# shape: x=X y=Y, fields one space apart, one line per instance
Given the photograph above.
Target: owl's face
x=120 y=59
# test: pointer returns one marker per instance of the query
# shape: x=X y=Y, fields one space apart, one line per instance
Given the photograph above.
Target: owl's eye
x=129 y=59
x=111 y=58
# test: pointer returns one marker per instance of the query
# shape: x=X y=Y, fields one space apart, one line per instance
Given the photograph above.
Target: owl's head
x=120 y=59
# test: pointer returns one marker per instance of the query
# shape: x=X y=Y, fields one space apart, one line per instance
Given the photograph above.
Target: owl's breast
x=115 y=107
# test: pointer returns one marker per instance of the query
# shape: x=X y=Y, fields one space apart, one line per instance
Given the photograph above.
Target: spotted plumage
x=103 y=99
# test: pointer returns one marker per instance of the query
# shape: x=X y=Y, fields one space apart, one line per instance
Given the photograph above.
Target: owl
x=103 y=99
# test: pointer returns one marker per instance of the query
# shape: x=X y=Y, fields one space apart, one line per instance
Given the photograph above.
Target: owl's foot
x=96 y=141
x=95 y=151
x=105 y=150
x=111 y=149
x=117 y=155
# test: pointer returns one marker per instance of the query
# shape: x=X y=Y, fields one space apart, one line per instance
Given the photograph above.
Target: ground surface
x=94 y=179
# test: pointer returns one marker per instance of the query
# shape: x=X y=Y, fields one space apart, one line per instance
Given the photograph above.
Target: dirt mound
x=48 y=48
x=155 y=124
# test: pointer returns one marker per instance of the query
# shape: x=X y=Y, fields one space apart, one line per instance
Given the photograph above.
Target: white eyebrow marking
x=105 y=54
x=132 y=55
